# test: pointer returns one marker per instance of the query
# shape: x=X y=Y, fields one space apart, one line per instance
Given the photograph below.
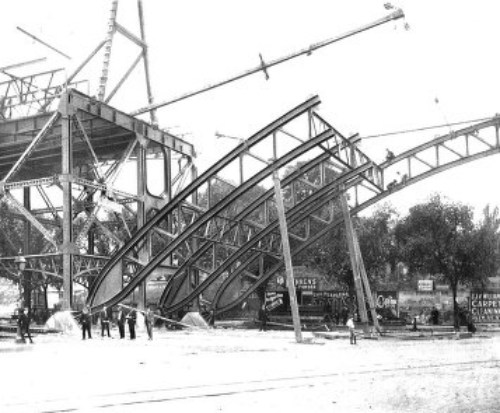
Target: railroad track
x=142 y=400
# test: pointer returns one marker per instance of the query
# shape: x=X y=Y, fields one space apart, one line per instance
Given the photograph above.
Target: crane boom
x=398 y=14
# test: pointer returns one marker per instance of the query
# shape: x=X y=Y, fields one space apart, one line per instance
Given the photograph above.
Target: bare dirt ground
x=226 y=370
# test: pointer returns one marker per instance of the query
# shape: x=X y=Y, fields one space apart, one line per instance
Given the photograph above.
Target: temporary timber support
x=366 y=284
x=287 y=257
x=358 y=268
x=354 y=259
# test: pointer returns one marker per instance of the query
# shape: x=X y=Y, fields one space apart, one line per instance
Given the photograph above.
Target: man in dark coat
x=120 y=320
x=86 y=322
x=263 y=317
x=23 y=323
x=104 y=316
x=131 y=320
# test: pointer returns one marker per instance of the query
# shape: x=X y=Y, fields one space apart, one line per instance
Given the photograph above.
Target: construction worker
x=389 y=155
x=104 y=316
x=263 y=317
x=23 y=323
x=86 y=322
x=149 y=319
x=131 y=320
x=120 y=321
x=352 y=331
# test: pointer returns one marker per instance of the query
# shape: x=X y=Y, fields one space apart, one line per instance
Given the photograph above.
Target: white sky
x=382 y=80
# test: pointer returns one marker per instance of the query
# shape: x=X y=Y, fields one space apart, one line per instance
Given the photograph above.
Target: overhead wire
x=424 y=128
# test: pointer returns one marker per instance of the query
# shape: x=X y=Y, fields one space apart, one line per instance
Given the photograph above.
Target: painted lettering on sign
x=485 y=306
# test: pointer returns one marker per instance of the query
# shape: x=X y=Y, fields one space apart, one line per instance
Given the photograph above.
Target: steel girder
x=266 y=240
x=438 y=155
x=49 y=267
x=195 y=229
x=22 y=96
x=209 y=227
x=182 y=218
x=235 y=266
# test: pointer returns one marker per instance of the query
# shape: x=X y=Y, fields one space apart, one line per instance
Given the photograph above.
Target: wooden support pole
x=354 y=259
x=287 y=257
x=366 y=284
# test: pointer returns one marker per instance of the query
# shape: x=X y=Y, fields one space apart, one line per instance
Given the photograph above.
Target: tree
x=330 y=255
x=376 y=240
x=440 y=238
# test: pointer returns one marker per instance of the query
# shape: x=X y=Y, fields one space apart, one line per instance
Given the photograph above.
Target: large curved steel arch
x=172 y=219
x=420 y=162
x=118 y=261
x=237 y=264
x=440 y=154
x=266 y=240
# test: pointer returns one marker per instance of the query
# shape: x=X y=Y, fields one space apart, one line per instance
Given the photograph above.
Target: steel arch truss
x=214 y=219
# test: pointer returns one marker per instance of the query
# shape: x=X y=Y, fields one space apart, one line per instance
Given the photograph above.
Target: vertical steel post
x=354 y=259
x=66 y=181
x=287 y=257
x=141 y=216
x=145 y=59
x=27 y=276
x=194 y=274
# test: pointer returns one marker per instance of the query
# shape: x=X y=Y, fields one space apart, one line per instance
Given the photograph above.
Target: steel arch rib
x=244 y=214
x=191 y=229
x=294 y=215
x=358 y=208
x=195 y=185
x=288 y=180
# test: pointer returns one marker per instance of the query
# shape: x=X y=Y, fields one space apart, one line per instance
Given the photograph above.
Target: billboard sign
x=425 y=285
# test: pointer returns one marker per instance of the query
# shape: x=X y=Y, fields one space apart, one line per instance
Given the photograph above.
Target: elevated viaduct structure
x=58 y=175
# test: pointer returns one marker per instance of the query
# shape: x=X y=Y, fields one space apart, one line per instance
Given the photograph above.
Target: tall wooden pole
x=354 y=259
x=366 y=284
x=287 y=256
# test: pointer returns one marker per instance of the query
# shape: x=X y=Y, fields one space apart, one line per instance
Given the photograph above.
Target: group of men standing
x=124 y=316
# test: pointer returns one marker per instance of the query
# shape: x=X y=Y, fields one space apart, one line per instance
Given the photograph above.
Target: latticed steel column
x=26 y=276
x=141 y=216
x=66 y=181
x=107 y=51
